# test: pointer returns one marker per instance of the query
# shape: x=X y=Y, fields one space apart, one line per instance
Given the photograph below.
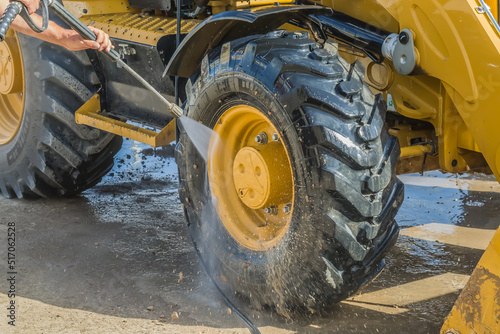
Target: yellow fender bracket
x=457 y=44
x=477 y=309
x=89 y=114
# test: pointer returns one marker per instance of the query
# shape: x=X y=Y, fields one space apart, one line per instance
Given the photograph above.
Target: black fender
x=227 y=26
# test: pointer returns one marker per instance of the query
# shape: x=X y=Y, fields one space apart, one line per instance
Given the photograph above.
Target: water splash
x=201 y=136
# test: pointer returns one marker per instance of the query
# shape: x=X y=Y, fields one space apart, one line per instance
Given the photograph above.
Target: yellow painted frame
x=89 y=114
x=477 y=309
x=456 y=85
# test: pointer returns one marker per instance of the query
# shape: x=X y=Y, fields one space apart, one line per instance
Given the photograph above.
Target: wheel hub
x=9 y=60
x=12 y=93
x=258 y=185
x=251 y=179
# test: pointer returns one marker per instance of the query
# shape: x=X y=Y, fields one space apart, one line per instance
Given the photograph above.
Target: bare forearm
x=60 y=36
x=54 y=33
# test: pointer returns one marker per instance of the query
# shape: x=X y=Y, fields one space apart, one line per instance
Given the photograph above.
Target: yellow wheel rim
x=11 y=88
x=251 y=178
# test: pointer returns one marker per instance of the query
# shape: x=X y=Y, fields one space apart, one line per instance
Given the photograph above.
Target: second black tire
x=51 y=155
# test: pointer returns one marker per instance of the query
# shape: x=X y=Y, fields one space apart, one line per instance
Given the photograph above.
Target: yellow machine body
x=477 y=309
x=453 y=90
x=455 y=86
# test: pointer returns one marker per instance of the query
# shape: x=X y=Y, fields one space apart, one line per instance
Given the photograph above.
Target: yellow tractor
x=317 y=106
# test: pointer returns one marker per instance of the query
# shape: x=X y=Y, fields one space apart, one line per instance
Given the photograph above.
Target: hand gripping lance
x=17 y=8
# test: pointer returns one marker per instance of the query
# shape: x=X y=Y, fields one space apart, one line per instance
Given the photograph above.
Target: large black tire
x=51 y=155
x=343 y=162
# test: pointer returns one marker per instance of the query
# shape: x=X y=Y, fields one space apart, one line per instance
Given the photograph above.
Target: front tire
x=343 y=193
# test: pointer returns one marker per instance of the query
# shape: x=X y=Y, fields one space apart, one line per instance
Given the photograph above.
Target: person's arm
x=55 y=34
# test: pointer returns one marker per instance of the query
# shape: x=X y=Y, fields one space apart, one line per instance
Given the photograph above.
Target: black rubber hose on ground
x=253 y=329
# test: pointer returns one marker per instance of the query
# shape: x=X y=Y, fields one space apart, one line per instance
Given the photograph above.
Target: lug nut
x=287 y=209
x=261 y=138
x=275 y=137
x=272 y=210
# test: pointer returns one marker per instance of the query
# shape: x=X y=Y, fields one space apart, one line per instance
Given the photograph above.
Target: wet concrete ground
x=110 y=260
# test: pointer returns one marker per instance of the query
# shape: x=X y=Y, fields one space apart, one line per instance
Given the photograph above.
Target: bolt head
x=272 y=210
x=404 y=38
x=275 y=137
x=261 y=138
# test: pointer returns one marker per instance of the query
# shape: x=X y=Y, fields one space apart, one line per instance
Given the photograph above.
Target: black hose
x=253 y=329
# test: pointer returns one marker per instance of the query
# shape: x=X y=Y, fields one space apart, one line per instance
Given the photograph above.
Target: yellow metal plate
x=477 y=309
x=139 y=28
x=91 y=7
x=88 y=114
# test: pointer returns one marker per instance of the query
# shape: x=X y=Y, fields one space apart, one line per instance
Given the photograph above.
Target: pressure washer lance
x=15 y=8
